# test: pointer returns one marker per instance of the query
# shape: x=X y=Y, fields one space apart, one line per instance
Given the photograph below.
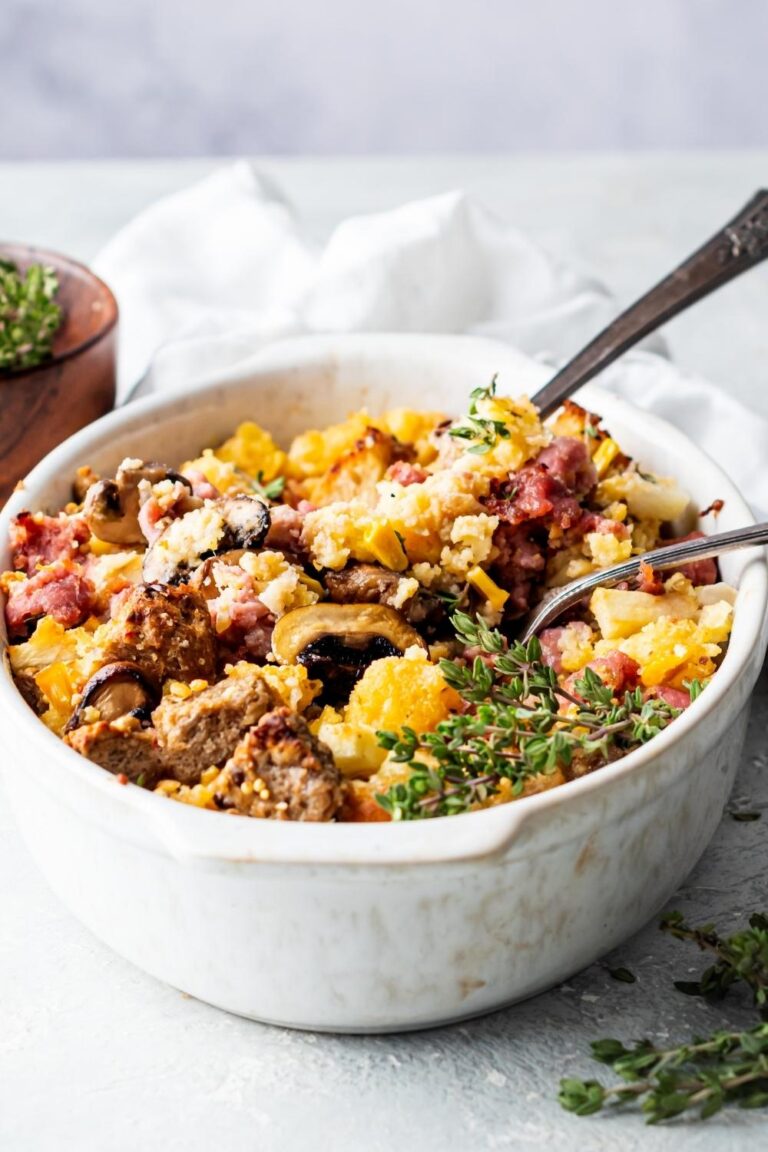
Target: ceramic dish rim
x=358 y=843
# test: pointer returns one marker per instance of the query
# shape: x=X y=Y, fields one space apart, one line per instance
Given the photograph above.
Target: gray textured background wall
x=87 y=78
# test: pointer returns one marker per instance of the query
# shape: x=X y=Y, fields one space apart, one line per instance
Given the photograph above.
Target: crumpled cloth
x=207 y=276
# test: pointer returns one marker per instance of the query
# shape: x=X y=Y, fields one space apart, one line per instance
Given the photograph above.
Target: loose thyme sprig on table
x=707 y=1073
x=742 y=957
x=727 y=1068
x=29 y=315
x=482 y=431
x=512 y=728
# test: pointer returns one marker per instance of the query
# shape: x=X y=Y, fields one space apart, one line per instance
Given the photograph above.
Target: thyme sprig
x=742 y=957
x=29 y=315
x=482 y=431
x=706 y=1073
x=728 y=1067
x=512 y=727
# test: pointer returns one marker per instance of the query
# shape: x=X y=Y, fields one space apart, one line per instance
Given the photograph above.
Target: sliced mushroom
x=220 y=526
x=246 y=520
x=337 y=642
x=372 y=584
x=85 y=478
x=25 y=682
x=111 y=507
x=117 y=689
x=204 y=577
x=361 y=584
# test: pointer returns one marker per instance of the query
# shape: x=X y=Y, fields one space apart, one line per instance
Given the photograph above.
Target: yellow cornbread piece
x=480 y=580
x=401 y=691
x=253 y=451
x=315 y=451
x=606 y=452
x=621 y=613
x=383 y=543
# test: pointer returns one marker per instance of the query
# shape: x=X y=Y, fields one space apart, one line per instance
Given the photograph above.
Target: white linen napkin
x=208 y=275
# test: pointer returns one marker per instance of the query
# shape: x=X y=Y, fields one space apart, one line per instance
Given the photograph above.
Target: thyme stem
x=512 y=728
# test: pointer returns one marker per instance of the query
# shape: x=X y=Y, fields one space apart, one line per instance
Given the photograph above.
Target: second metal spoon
x=672 y=556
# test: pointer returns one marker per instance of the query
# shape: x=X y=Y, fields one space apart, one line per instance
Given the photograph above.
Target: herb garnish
x=729 y=1067
x=450 y=599
x=623 y=975
x=483 y=432
x=29 y=315
x=271 y=491
x=512 y=729
x=694 y=687
x=741 y=957
x=724 y=1068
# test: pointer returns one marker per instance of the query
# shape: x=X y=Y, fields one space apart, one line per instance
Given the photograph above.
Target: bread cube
x=621 y=613
x=648 y=498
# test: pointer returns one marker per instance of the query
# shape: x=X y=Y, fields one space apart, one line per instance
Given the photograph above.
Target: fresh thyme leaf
x=688 y=987
x=450 y=599
x=623 y=975
x=29 y=316
x=511 y=728
x=707 y=1073
x=482 y=431
x=271 y=491
x=742 y=957
x=728 y=1067
x=695 y=688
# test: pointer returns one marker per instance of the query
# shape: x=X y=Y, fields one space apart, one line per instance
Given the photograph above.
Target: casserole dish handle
x=197 y=835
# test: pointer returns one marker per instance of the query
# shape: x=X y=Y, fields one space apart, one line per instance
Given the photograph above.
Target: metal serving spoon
x=740 y=245
x=672 y=556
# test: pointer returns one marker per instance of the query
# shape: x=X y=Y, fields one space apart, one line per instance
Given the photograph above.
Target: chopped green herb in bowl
x=29 y=315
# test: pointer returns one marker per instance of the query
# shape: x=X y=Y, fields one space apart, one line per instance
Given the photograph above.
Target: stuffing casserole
x=313 y=633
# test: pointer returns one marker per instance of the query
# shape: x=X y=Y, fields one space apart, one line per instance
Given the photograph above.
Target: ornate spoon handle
x=738 y=246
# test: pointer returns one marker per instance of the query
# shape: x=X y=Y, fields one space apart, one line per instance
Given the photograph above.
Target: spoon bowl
x=555 y=603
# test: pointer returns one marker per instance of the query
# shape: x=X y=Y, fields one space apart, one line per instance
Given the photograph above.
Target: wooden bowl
x=40 y=407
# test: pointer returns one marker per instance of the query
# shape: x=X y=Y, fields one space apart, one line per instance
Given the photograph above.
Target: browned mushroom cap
x=372 y=584
x=27 y=686
x=118 y=689
x=337 y=642
x=204 y=578
x=232 y=523
x=85 y=478
x=111 y=507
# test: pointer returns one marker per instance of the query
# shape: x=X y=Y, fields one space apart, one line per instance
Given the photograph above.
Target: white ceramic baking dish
x=378 y=927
